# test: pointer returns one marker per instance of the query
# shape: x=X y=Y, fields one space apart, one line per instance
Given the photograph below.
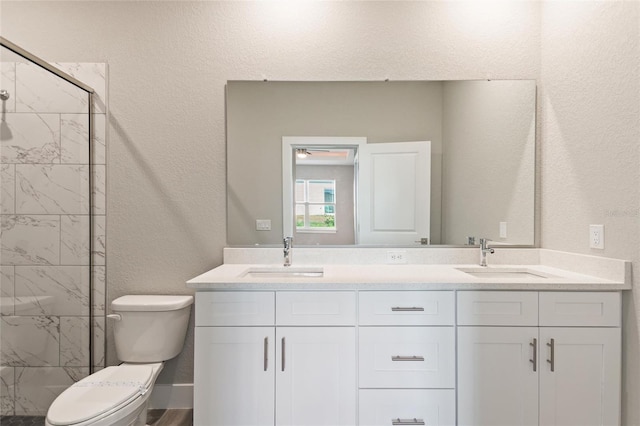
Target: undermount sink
x=284 y=272
x=489 y=272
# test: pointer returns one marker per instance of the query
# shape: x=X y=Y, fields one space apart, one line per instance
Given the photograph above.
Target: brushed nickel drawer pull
x=552 y=361
x=407 y=358
x=402 y=422
x=535 y=354
x=266 y=353
x=407 y=309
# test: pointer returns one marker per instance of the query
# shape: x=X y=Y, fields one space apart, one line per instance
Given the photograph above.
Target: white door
x=234 y=384
x=584 y=387
x=315 y=376
x=394 y=187
x=497 y=384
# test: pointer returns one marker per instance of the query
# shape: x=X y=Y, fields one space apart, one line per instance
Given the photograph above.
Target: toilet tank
x=150 y=328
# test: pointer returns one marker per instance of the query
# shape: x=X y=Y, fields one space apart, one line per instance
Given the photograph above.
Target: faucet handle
x=484 y=245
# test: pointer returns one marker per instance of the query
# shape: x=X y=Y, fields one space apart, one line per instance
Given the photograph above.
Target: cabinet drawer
x=407 y=357
x=406 y=308
x=498 y=308
x=316 y=308
x=598 y=309
x=387 y=407
x=224 y=308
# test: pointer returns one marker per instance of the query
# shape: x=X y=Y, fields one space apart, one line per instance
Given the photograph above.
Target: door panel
x=315 y=376
x=394 y=181
x=496 y=382
x=584 y=388
x=234 y=384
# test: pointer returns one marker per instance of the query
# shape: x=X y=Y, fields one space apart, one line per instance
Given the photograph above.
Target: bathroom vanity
x=417 y=344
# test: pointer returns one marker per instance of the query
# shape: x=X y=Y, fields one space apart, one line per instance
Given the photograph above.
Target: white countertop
x=232 y=276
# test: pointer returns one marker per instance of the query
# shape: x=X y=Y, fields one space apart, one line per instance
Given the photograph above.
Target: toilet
x=148 y=330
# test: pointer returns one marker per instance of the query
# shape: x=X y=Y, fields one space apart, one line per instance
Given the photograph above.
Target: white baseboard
x=172 y=396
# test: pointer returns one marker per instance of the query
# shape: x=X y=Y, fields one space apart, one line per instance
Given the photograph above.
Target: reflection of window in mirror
x=315 y=205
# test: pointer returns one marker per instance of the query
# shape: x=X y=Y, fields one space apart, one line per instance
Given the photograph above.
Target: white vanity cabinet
x=406 y=358
x=538 y=358
x=283 y=358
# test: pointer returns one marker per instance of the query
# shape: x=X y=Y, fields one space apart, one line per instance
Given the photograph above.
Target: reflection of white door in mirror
x=392 y=182
x=394 y=193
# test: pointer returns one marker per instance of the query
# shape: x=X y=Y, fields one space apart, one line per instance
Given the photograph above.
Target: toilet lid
x=100 y=393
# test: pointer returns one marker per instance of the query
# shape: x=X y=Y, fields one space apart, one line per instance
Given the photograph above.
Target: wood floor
x=173 y=417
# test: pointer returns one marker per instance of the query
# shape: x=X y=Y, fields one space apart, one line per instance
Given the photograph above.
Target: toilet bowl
x=113 y=396
x=148 y=330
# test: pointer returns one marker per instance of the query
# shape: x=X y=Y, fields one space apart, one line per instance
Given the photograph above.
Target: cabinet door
x=315 y=376
x=584 y=387
x=497 y=384
x=234 y=380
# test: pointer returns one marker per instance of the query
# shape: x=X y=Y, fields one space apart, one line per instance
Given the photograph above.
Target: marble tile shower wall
x=44 y=212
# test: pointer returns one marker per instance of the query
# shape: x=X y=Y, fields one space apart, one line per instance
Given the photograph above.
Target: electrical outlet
x=397 y=256
x=596 y=236
x=263 y=225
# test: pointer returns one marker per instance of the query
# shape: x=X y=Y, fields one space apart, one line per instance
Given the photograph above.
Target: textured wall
x=590 y=104
x=169 y=62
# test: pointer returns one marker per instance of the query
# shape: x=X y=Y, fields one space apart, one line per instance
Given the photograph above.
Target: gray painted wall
x=489 y=136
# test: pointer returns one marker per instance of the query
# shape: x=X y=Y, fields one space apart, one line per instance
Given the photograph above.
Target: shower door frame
x=90 y=92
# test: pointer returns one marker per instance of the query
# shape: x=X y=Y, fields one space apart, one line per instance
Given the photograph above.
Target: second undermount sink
x=501 y=272
x=284 y=272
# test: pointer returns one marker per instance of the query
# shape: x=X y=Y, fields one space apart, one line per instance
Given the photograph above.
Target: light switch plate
x=263 y=224
x=503 y=229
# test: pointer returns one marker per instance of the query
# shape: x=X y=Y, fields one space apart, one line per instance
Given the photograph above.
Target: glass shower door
x=45 y=253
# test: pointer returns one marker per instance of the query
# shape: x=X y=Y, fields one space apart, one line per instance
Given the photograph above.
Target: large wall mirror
x=411 y=163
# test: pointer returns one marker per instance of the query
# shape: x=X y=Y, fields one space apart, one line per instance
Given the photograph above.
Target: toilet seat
x=101 y=394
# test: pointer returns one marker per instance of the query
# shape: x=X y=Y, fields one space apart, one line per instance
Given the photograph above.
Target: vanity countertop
x=400 y=277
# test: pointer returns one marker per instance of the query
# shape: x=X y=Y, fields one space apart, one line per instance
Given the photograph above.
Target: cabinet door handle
x=266 y=353
x=283 y=352
x=402 y=422
x=407 y=358
x=552 y=359
x=535 y=354
x=407 y=309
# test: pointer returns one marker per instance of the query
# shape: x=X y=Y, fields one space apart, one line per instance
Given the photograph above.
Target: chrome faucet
x=484 y=249
x=288 y=245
